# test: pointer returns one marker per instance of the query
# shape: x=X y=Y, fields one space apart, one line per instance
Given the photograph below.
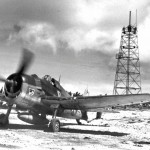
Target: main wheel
x=98 y=115
x=55 y=125
x=3 y=120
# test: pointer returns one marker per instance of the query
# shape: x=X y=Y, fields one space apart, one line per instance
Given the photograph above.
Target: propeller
x=2 y=79
x=25 y=62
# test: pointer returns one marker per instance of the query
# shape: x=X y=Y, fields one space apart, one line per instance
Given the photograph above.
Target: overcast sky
x=77 y=39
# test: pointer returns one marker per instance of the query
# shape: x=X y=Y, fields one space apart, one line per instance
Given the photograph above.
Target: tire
x=2 y=116
x=55 y=125
x=3 y=121
x=98 y=115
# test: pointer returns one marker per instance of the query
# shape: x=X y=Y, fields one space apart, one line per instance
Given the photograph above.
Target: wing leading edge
x=92 y=103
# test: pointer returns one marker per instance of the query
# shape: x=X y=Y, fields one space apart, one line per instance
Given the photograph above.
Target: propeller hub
x=13 y=85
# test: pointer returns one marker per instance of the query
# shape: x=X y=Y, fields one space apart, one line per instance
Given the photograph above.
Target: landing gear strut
x=4 y=117
x=54 y=124
x=78 y=121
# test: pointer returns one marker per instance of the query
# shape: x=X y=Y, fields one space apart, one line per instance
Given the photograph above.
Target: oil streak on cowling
x=32 y=118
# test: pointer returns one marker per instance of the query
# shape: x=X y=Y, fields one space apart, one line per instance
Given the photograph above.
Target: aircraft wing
x=94 y=103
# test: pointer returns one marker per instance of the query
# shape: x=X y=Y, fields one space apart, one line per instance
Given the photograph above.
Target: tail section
x=86 y=92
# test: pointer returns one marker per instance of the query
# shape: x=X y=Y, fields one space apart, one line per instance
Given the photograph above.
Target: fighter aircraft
x=39 y=97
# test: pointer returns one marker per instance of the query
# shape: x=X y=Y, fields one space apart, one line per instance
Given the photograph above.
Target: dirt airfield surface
x=125 y=130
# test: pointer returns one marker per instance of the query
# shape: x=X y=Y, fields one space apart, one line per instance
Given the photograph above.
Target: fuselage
x=29 y=90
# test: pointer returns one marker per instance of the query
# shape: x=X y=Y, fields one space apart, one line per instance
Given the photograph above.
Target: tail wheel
x=55 y=125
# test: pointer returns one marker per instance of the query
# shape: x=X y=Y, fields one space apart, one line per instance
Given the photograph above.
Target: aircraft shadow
x=66 y=130
x=142 y=142
x=22 y=126
x=100 y=125
x=93 y=132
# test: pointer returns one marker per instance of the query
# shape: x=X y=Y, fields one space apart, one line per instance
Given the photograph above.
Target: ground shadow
x=142 y=142
x=4 y=146
x=67 y=130
x=22 y=126
x=75 y=124
x=93 y=132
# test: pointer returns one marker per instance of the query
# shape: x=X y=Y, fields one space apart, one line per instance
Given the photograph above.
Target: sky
x=77 y=39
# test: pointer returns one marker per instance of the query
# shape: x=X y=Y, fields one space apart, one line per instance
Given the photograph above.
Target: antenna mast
x=127 y=78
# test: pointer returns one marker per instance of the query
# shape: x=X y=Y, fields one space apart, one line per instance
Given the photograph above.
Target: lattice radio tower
x=127 y=78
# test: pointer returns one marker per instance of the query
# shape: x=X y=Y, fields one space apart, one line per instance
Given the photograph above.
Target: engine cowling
x=32 y=118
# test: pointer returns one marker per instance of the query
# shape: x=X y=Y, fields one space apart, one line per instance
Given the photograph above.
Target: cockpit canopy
x=54 y=82
x=47 y=77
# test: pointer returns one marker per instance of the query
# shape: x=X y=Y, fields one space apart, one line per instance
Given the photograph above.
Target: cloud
x=57 y=13
x=41 y=34
x=32 y=34
x=144 y=36
x=86 y=24
x=80 y=39
x=76 y=38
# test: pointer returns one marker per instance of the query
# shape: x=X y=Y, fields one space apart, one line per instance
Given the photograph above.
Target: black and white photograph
x=74 y=75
